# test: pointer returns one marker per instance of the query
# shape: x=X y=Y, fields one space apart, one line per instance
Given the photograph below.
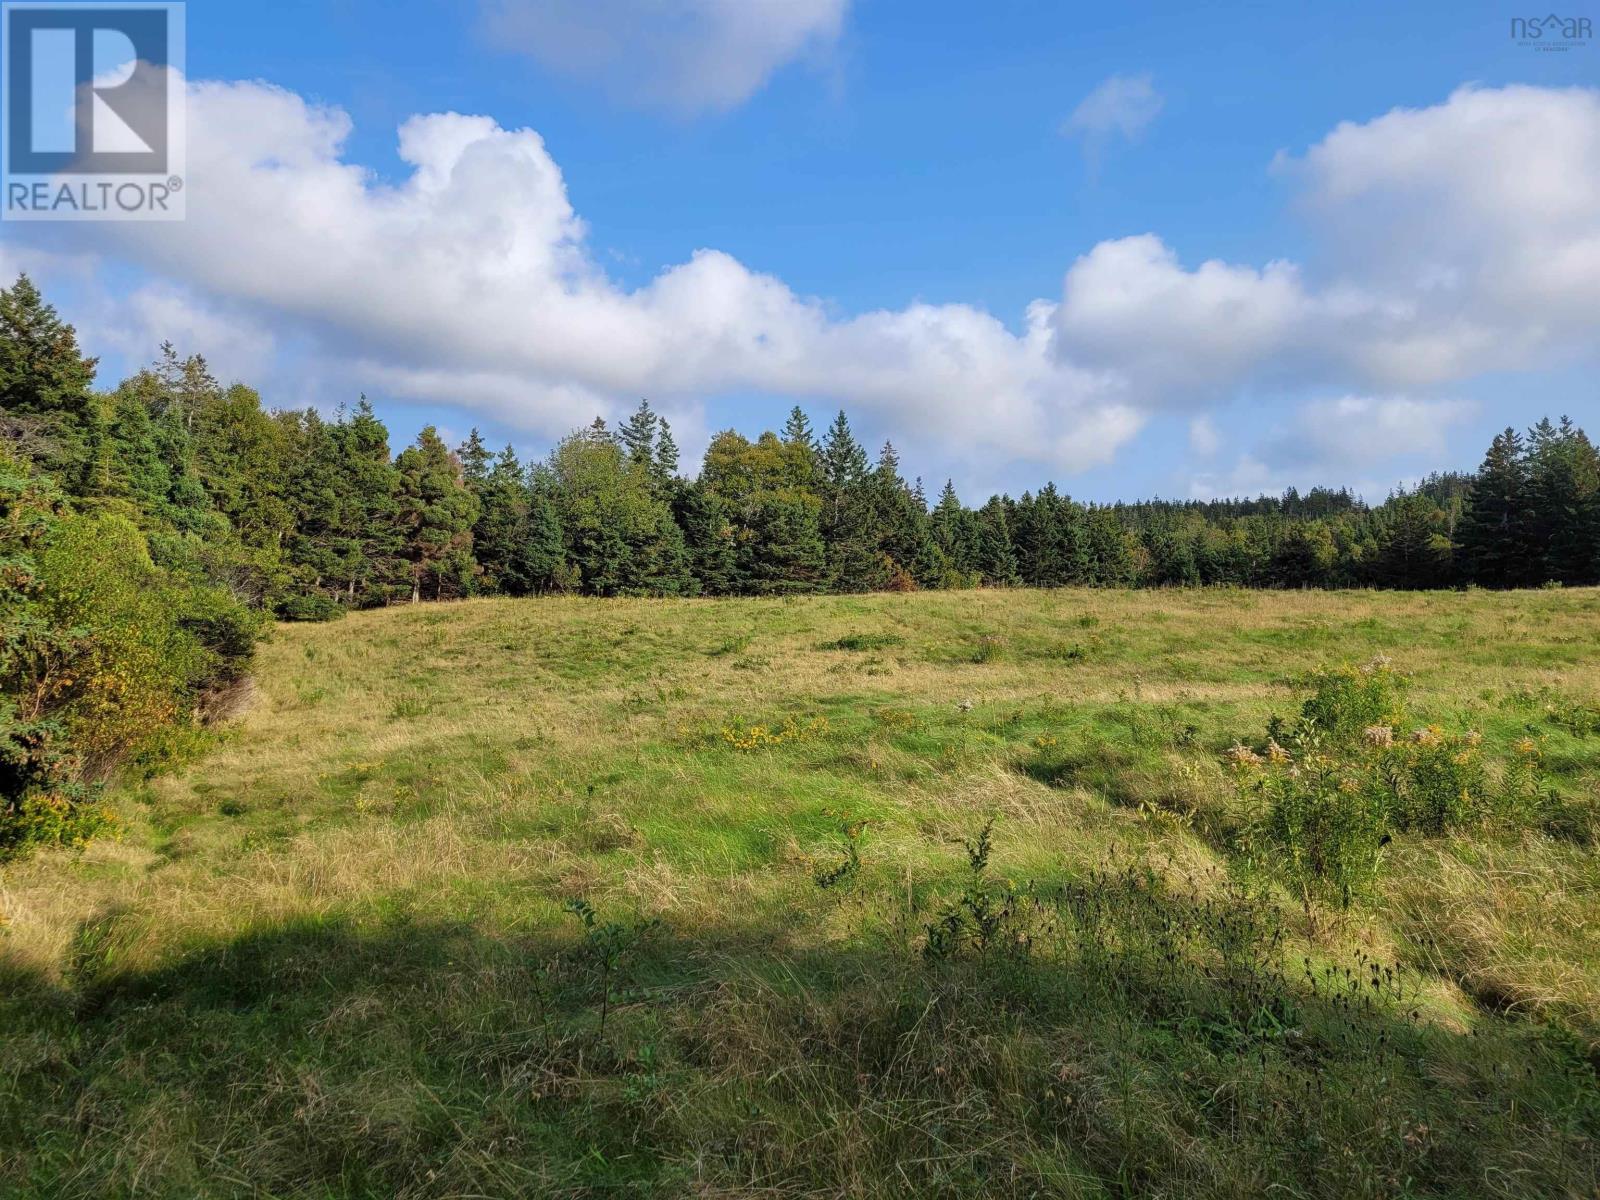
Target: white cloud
x=471 y=282
x=1121 y=106
x=1451 y=240
x=1367 y=442
x=690 y=56
x=1129 y=305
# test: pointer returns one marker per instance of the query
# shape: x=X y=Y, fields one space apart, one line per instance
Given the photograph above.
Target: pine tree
x=1412 y=550
x=904 y=541
x=1563 y=477
x=45 y=403
x=369 y=509
x=994 y=557
x=1495 y=526
x=1107 y=553
x=476 y=460
x=638 y=435
x=847 y=515
x=498 y=534
x=436 y=511
x=665 y=464
x=620 y=535
x=711 y=540
x=797 y=429
x=955 y=532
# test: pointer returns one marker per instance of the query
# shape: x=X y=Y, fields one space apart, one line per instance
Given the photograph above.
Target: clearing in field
x=962 y=894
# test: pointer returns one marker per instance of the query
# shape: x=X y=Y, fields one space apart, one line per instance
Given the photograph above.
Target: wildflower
x=1276 y=754
x=1242 y=756
x=1526 y=747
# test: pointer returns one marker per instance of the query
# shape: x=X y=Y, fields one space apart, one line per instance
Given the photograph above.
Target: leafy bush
x=1331 y=789
x=310 y=606
x=1346 y=700
x=104 y=658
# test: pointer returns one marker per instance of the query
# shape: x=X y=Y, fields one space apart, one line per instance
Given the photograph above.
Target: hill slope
x=575 y=897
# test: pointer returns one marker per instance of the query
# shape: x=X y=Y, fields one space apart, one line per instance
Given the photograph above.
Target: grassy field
x=925 y=895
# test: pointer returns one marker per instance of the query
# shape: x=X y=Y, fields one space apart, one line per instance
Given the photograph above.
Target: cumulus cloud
x=1121 y=106
x=471 y=282
x=1448 y=241
x=691 y=57
x=1350 y=439
x=1451 y=240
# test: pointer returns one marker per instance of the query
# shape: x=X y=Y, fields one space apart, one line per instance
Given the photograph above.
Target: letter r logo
x=87 y=89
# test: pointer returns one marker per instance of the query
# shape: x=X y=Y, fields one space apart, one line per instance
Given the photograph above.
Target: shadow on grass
x=1104 y=1044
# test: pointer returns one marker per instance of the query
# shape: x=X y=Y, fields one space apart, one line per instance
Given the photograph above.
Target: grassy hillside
x=574 y=897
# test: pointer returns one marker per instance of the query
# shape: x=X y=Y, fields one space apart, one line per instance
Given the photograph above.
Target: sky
x=1139 y=250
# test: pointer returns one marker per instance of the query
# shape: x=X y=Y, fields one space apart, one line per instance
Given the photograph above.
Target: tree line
x=305 y=516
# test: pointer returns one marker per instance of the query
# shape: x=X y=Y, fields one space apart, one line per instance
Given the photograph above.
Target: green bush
x=310 y=606
x=1346 y=701
x=1329 y=790
x=1324 y=824
x=104 y=658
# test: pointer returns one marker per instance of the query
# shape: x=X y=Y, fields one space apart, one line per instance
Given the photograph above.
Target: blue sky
x=918 y=161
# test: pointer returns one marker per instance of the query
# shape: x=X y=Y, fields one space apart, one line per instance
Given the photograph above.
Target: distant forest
x=303 y=517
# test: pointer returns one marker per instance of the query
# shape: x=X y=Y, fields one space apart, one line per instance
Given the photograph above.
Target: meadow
x=983 y=893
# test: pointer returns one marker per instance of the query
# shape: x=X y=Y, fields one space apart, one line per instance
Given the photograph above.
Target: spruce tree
x=45 y=403
x=476 y=460
x=1412 y=551
x=436 y=511
x=711 y=540
x=994 y=557
x=1563 y=477
x=638 y=435
x=1495 y=526
x=847 y=514
x=498 y=534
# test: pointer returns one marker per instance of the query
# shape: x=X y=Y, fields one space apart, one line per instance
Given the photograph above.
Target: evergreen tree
x=436 y=511
x=1563 y=478
x=711 y=540
x=1495 y=525
x=665 y=464
x=1412 y=550
x=369 y=509
x=46 y=407
x=849 y=539
x=955 y=533
x=620 y=535
x=497 y=536
x=476 y=461
x=638 y=435
x=994 y=557
x=1107 y=552
x=899 y=518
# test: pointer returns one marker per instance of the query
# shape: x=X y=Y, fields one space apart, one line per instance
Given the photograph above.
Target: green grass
x=334 y=957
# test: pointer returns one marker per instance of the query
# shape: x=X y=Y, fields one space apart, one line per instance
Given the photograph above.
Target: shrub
x=310 y=606
x=1342 y=781
x=1346 y=701
x=1324 y=824
x=104 y=657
